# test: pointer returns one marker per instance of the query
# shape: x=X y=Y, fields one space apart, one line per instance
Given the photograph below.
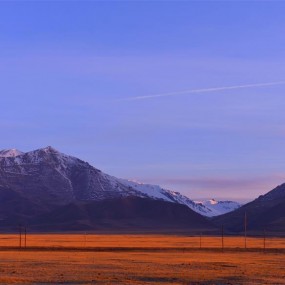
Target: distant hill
x=122 y=214
x=216 y=208
x=266 y=212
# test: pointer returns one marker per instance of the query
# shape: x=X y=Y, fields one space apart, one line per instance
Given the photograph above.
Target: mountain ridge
x=75 y=174
x=51 y=190
x=267 y=212
x=46 y=190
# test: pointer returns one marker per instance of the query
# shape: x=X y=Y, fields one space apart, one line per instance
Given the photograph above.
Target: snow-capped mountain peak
x=10 y=152
x=49 y=149
x=219 y=207
x=213 y=202
x=46 y=172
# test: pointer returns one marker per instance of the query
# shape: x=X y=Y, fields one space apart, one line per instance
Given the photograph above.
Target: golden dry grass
x=92 y=240
x=190 y=266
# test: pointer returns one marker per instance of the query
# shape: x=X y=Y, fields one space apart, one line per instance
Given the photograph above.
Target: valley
x=140 y=259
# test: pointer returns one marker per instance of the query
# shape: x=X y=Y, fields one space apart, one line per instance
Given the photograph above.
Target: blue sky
x=66 y=65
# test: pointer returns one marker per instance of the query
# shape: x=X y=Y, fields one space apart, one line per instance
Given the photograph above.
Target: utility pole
x=223 y=238
x=264 y=240
x=20 y=236
x=245 y=230
x=25 y=237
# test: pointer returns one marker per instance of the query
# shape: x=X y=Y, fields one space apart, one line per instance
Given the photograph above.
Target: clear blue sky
x=64 y=66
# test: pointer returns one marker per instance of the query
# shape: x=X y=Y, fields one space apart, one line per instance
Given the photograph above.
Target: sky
x=136 y=88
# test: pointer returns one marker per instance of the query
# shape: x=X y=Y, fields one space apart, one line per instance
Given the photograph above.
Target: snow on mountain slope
x=152 y=191
x=209 y=208
x=49 y=174
x=219 y=207
x=10 y=152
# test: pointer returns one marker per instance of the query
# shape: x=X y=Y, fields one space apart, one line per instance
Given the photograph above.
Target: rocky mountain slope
x=267 y=212
x=56 y=178
x=48 y=191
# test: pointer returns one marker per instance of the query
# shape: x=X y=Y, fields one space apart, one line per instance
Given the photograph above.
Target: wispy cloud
x=203 y=90
x=227 y=187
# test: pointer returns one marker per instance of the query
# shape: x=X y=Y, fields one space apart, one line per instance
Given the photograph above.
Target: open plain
x=140 y=259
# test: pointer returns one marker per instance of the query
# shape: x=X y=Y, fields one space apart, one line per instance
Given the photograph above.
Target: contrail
x=202 y=90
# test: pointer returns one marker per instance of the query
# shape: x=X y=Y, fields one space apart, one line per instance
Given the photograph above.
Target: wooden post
x=264 y=240
x=25 y=237
x=223 y=238
x=20 y=236
x=245 y=230
x=200 y=240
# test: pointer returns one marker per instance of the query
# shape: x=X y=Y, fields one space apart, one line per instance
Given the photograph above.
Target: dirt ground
x=140 y=259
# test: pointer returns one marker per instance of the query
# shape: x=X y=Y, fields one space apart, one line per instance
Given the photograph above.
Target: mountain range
x=40 y=187
x=53 y=176
x=49 y=190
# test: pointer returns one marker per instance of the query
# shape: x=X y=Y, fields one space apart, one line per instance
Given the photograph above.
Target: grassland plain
x=140 y=259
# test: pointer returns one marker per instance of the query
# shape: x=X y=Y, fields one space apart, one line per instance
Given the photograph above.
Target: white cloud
x=204 y=90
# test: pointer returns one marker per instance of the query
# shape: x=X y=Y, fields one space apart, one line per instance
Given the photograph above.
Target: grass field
x=140 y=259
